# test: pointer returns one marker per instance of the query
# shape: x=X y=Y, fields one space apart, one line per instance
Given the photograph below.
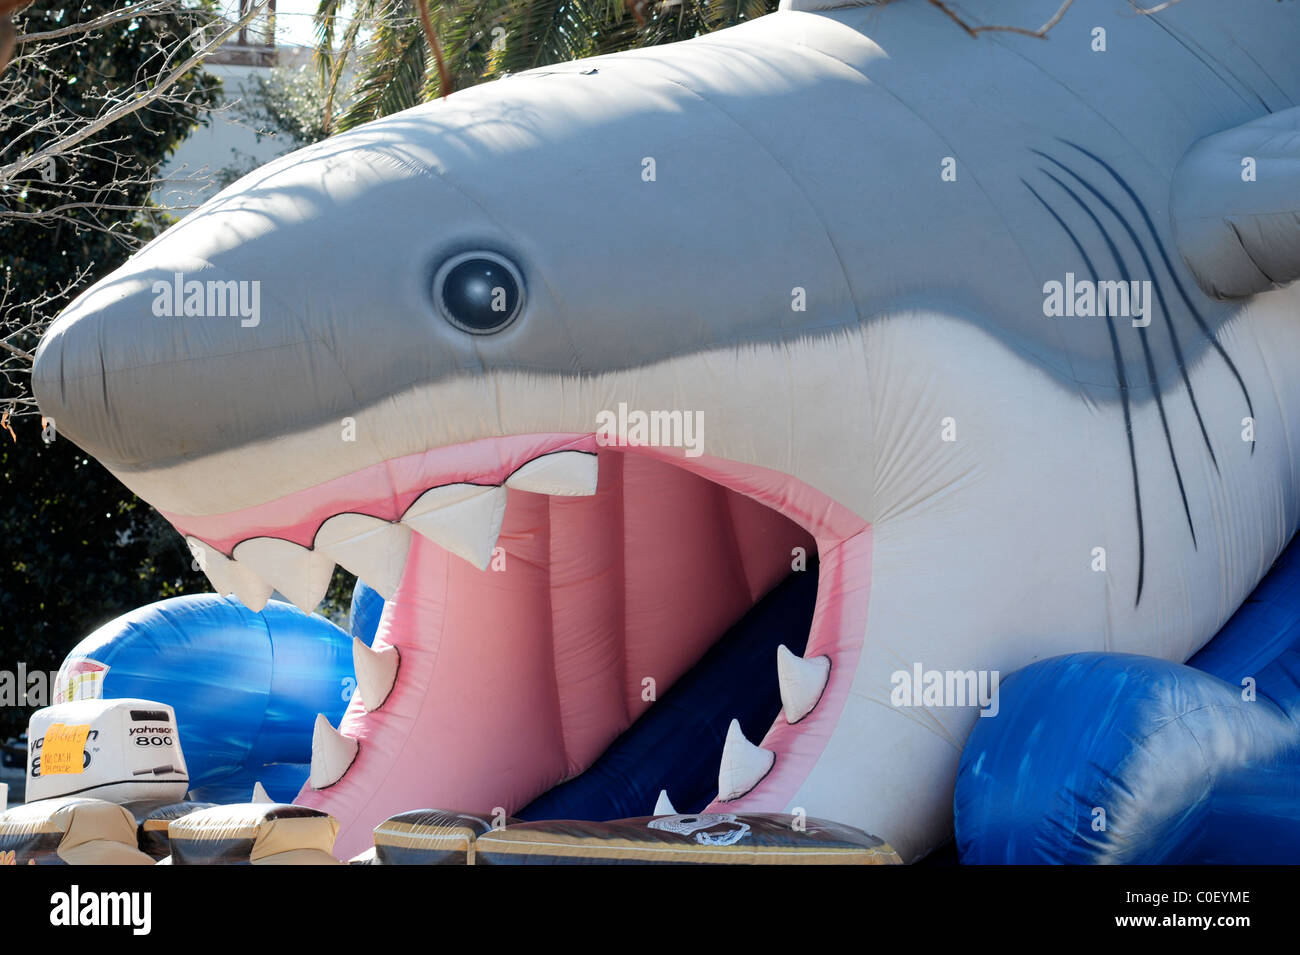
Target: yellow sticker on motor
x=63 y=752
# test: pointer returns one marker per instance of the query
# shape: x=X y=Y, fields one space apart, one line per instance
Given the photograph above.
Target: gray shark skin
x=921 y=187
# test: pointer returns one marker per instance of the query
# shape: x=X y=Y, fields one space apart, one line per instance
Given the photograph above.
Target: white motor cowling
x=116 y=750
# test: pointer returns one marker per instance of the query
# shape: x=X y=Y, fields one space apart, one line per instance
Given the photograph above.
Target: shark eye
x=479 y=292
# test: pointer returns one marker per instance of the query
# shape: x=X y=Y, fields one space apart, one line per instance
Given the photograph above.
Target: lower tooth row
x=744 y=765
x=333 y=753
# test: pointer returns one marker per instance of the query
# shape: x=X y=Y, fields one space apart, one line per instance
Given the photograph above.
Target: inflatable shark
x=574 y=367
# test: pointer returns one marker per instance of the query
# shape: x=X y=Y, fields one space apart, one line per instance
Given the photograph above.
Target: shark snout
x=173 y=347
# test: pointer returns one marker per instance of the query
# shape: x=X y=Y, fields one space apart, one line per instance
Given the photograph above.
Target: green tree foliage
x=80 y=549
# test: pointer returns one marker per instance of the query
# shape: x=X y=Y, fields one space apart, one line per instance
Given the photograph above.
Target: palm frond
x=394 y=78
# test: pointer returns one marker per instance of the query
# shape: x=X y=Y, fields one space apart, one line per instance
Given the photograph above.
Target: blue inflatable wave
x=1114 y=758
x=246 y=687
x=363 y=616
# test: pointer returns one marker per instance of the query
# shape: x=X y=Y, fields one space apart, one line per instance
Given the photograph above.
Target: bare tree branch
x=116 y=16
x=1040 y=33
x=138 y=102
x=17 y=351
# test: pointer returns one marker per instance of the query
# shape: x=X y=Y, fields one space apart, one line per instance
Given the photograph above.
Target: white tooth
x=259 y=793
x=229 y=576
x=300 y=574
x=251 y=591
x=664 y=807
x=332 y=754
x=376 y=672
x=743 y=764
x=462 y=518
x=563 y=473
x=369 y=547
x=802 y=682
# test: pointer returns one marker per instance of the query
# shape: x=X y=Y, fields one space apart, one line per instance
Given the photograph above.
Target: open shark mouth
x=543 y=593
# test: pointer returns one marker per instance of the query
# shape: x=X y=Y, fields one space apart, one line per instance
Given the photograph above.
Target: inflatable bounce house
x=819 y=440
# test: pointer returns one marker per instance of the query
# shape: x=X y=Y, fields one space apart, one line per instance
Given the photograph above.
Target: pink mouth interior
x=512 y=681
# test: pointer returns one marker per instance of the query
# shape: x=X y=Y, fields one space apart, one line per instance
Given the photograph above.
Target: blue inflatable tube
x=1112 y=758
x=363 y=616
x=246 y=687
x=1126 y=759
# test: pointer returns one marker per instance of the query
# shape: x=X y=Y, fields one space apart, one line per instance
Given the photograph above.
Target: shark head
x=575 y=367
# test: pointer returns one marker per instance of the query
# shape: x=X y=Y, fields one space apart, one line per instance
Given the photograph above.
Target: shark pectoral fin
x=1235 y=206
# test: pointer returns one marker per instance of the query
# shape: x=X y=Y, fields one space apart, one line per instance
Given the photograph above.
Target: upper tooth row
x=462 y=518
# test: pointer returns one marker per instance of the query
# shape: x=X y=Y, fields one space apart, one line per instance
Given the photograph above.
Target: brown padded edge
x=770 y=841
x=282 y=834
x=242 y=821
x=420 y=837
x=103 y=852
x=95 y=832
x=94 y=821
x=50 y=815
x=305 y=834
x=298 y=857
x=433 y=830
x=508 y=842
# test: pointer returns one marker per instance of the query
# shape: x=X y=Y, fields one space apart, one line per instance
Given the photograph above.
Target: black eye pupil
x=480 y=295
